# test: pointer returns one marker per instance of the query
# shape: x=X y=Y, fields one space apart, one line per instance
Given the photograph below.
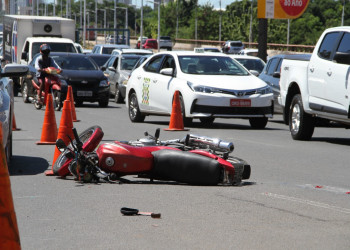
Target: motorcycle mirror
x=61 y=146
x=187 y=140
x=146 y=133
x=156 y=135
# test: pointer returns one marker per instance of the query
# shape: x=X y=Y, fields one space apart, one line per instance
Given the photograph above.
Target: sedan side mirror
x=111 y=69
x=167 y=71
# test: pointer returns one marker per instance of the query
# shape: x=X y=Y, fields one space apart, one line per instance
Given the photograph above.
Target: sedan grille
x=239 y=93
x=232 y=110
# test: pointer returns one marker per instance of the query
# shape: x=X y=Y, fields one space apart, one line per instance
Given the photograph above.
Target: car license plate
x=84 y=93
x=240 y=102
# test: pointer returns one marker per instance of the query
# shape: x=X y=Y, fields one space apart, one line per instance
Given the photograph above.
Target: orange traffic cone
x=176 y=121
x=70 y=97
x=14 y=126
x=65 y=130
x=9 y=234
x=49 y=130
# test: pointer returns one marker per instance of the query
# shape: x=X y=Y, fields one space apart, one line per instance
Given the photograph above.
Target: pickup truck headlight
x=203 y=89
x=103 y=83
x=264 y=90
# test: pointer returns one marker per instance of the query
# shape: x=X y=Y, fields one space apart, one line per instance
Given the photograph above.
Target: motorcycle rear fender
x=225 y=164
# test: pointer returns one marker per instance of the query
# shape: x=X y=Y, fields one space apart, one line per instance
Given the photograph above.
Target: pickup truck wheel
x=135 y=114
x=301 y=124
x=258 y=122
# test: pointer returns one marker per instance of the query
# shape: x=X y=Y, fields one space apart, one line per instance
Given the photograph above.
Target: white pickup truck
x=318 y=88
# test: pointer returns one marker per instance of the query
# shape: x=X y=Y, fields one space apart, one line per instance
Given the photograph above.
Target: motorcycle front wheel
x=56 y=96
x=37 y=104
x=90 y=138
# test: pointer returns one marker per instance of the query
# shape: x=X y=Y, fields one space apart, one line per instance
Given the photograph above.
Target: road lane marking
x=326 y=188
x=308 y=202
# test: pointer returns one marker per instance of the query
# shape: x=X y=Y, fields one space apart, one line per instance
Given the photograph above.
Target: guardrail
x=270 y=46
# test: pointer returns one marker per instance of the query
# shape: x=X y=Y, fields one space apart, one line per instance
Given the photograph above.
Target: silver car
x=6 y=103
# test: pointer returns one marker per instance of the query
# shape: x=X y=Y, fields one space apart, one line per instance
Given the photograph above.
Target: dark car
x=88 y=82
x=271 y=75
x=100 y=59
x=118 y=69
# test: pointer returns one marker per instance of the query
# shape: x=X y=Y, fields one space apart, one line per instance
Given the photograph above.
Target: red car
x=150 y=44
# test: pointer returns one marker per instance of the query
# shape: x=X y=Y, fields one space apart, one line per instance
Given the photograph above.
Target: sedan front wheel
x=135 y=114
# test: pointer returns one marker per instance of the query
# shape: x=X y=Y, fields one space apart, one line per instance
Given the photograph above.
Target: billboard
x=281 y=9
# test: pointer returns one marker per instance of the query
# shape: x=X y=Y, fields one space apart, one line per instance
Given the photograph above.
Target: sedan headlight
x=103 y=83
x=203 y=89
x=63 y=82
x=264 y=90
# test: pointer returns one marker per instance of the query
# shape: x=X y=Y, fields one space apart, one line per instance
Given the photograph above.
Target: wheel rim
x=295 y=122
x=133 y=106
x=25 y=91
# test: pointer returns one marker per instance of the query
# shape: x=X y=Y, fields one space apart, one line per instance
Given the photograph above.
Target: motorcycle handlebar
x=77 y=139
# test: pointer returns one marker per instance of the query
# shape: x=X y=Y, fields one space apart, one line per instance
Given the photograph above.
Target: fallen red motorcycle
x=195 y=160
x=52 y=85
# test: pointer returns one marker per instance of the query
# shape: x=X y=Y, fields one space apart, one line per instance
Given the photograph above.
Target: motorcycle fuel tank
x=124 y=159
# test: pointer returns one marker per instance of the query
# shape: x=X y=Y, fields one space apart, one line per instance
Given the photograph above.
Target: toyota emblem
x=240 y=93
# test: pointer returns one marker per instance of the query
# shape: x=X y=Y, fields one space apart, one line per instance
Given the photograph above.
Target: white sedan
x=211 y=85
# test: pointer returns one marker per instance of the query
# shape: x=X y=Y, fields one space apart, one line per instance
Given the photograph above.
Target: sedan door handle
x=329 y=72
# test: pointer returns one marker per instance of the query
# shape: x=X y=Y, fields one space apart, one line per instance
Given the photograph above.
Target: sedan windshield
x=210 y=65
x=75 y=63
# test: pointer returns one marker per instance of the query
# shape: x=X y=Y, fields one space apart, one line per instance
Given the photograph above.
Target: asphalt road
x=296 y=197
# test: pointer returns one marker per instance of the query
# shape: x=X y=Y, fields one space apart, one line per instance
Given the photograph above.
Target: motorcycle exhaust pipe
x=209 y=142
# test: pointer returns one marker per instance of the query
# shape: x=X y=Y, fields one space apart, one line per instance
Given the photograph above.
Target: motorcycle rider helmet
x=45 y=49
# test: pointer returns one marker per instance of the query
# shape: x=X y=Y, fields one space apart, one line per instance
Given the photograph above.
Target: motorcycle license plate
x=84 y=93
x=240 y=103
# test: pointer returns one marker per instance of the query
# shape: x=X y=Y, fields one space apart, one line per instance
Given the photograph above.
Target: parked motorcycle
x=52 y=85
x=195 y=160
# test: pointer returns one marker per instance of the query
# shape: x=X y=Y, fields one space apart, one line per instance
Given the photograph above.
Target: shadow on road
x=339 y=141
x=215 y=125
x=25 y=165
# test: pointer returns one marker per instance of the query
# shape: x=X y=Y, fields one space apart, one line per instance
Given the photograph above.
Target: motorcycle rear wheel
x=84 y=137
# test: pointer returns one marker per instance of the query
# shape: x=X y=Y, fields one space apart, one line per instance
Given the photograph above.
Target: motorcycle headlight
x=103 y=83
x=203 y=89
x=264 y=90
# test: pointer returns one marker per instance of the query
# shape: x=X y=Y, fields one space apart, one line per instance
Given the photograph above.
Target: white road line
x=308 y=202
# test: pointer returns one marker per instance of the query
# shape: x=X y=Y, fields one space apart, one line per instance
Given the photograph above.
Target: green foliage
x=235 y=24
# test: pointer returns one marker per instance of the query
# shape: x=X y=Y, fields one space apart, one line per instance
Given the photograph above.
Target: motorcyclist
x=42 y=62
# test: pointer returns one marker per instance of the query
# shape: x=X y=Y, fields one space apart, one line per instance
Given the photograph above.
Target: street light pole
x=177 y=18
x=220 y=22
x=95 y=21
x=250 y=25
x=84 y=29
x=141 y=28
x=115 y=20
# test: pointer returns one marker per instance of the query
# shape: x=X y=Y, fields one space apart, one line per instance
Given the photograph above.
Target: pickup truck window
x=327 y=45
x=344 y=45
x=272 y=66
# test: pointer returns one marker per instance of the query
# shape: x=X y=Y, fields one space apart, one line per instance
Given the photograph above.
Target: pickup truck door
x=328 y=89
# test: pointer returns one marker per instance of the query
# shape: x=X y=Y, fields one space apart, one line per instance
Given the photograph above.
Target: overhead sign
x=281 y=9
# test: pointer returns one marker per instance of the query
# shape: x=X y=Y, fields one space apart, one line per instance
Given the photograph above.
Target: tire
x=258 y=122
x=84 y=136
x=117 y=96
x=187 y=121
x=8 y=149
x=25 y=92
x=56 y=96
x=78 y=103
x=207 y=121
x=103 y=103
x=301 y=124
x=135 y=114
x=36 y=104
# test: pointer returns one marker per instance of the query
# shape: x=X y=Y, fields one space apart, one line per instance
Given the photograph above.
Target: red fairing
x=127 y=159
